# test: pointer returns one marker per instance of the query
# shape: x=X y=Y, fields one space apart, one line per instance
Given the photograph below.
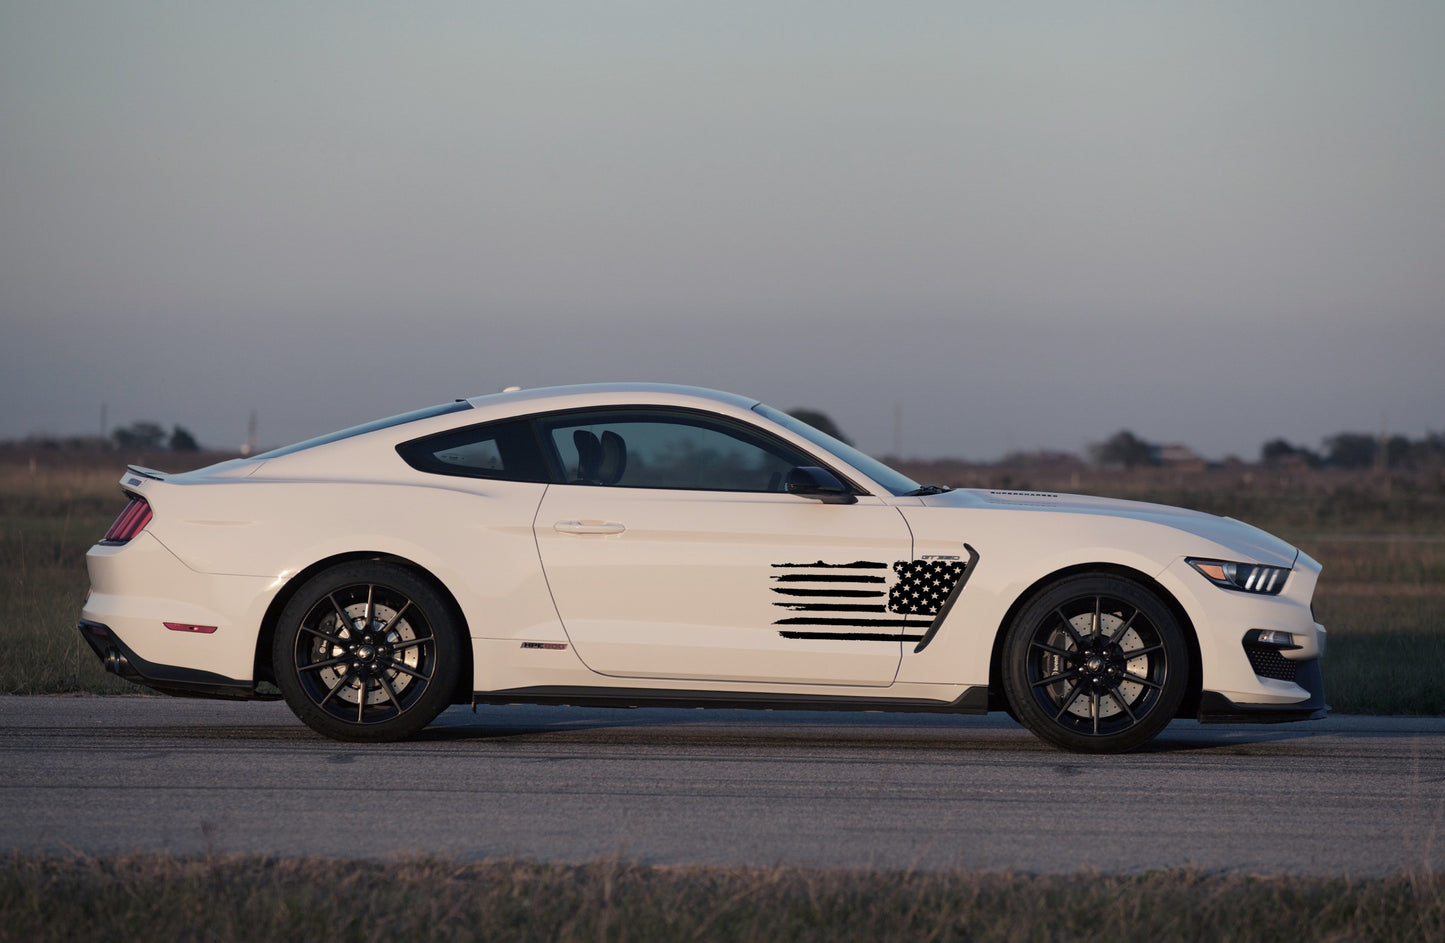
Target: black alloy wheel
x=1095 y=664
x=367 y=652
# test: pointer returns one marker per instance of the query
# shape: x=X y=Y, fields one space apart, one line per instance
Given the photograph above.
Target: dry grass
x=1382 y=541
x=1384 y=652
x=247 y=898
x=1296 y=503
x=1383 y=600
x=48 y=519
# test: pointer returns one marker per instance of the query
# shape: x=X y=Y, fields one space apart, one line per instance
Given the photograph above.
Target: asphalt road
x=113 y=775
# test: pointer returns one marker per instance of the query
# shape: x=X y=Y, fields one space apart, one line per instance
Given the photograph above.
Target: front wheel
x=1095 y=664
x=367 y=652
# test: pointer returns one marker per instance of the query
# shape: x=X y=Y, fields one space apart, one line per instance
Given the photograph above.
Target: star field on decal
x=923 y=585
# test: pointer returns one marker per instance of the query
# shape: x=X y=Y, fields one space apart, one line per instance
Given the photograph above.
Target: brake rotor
x=1130 y=640
x=370 y=648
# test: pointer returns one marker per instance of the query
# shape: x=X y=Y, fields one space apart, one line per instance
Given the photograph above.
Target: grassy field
x=1381 y=540
x=244 y=899
x=48 y=519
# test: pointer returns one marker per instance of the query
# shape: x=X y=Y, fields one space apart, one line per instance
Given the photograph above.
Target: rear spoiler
x=134 y=473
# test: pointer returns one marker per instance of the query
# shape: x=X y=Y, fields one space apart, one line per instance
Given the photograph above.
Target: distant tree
x=1429 y=451
x=1126 y=449
x=1279 y=451
x=183 y=441
x=139 y=435
x=821 y=422
x=1351 y=450
x=1399 y=452
x=1275 y=451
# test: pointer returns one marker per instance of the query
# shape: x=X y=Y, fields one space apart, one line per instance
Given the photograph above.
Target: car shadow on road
x=674 y=727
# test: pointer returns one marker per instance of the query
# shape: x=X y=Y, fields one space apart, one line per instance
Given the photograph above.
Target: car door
x=673 y=551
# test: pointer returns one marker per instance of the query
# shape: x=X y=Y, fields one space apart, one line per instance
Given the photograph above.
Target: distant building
x=1179 y=458
x=1045 y=460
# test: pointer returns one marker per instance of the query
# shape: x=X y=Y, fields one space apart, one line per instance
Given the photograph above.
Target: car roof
x=323 y=453
x=607 y=394
x=352 y=454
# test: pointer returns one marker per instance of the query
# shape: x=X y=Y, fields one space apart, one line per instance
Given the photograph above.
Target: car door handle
x=588 y=527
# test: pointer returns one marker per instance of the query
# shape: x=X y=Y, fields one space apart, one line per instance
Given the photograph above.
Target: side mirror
x=809 y=481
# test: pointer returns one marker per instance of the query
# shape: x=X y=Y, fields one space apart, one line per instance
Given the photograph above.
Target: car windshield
x=896 y=482
x=372 y=426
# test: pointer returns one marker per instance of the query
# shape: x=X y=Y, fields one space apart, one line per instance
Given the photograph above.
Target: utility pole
x=1382 y=459
x=898 y=430
x=250 y=445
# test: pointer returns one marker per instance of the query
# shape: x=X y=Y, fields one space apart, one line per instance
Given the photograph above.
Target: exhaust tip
x=115 y=662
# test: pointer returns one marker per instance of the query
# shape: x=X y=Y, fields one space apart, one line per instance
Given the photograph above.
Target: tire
x=1095 y=664
x=367 y=652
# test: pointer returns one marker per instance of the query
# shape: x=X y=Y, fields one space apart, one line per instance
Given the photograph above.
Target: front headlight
x=1244 y=577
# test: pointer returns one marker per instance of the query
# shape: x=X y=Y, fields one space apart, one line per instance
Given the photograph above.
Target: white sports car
x=637 y=544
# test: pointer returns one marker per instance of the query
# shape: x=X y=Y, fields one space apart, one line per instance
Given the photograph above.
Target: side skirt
x=973 y=701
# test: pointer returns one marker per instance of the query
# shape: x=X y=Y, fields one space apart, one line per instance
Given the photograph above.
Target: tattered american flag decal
x=864 y=600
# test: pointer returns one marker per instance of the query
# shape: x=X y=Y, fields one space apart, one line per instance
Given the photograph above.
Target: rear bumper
x=1215 y=708
x=119 y=659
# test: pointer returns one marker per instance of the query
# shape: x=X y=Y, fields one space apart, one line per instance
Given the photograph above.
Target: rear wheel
x=367 y=651
x=1095 y=664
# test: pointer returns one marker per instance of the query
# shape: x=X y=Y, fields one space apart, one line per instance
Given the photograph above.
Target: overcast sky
x=1023 y=225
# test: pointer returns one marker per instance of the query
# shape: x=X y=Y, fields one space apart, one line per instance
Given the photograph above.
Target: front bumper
x=1215 y=708
x=1245 y=682
x=119 y=659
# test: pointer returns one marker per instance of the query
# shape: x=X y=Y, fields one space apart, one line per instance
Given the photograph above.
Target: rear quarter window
x=505 y=451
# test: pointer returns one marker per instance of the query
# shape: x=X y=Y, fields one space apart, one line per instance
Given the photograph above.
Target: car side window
x=501 y=450
x=667 y=450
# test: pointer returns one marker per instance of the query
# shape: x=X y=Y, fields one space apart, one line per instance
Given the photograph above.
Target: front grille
x=1267 y=662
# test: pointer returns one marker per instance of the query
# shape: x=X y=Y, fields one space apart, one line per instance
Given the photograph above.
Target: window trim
x=705 y=419
x=376 y=425
x=903 y=486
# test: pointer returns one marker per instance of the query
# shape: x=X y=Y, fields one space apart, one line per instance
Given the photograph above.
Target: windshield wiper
x=923 y=490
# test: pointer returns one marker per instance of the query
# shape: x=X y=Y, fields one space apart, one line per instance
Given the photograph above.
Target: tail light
x=132 y=521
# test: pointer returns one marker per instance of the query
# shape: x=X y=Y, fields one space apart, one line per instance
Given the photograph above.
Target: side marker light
x=189 y=627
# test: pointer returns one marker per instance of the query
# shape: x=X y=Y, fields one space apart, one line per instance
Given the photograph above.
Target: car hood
x=1244 y=539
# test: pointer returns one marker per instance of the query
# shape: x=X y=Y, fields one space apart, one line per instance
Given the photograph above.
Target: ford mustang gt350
x=640 y=544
